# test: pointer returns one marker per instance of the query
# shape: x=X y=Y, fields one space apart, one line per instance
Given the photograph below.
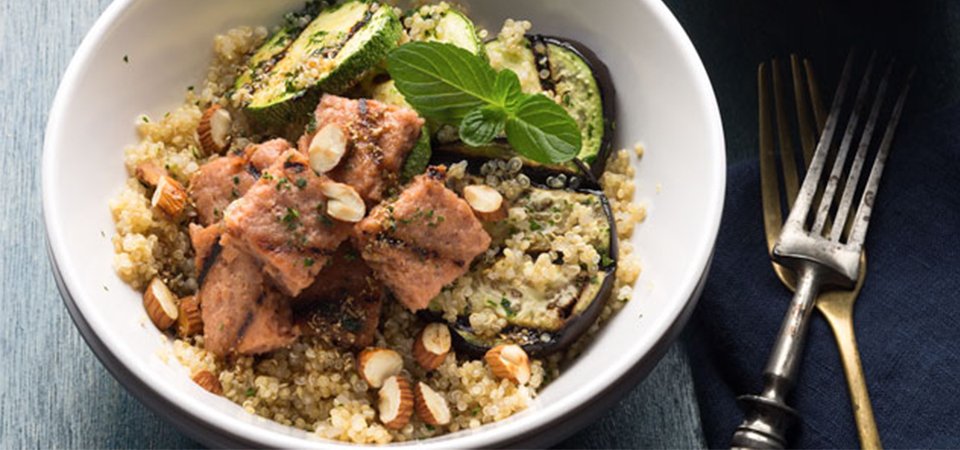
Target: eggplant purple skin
x=574 y=327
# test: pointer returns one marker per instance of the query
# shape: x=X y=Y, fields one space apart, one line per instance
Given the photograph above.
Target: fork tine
x=800 y=210
x=853 y=124
x=808 y=136
x=770 y=191
x=862 y=219
x=857 y=166
x=819 y=116
x=788 y=161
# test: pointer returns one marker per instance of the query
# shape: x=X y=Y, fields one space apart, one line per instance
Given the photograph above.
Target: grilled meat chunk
x=343 y=305
x=227 y=178
x=241 y=314
x=422 y=241
x=283 y=222
x=379 y=137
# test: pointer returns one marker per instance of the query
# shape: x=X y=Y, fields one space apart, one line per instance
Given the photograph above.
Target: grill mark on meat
x=294 y=166
x=252 y=170
x=209 y=261
x=247 y=321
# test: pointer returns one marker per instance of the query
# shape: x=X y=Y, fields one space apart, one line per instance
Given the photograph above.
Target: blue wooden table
x=53 y=391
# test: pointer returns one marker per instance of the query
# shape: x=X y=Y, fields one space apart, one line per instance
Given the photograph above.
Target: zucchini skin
x=291 y=107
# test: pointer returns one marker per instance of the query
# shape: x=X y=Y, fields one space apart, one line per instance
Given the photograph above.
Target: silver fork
x=818 y=247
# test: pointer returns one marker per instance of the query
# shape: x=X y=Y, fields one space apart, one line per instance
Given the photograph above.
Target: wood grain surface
x=55 y=394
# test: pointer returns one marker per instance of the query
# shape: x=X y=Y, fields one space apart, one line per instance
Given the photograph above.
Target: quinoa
x=312 y=385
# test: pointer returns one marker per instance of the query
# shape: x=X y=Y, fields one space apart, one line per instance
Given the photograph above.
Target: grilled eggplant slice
x=331 y=54
x=543 y=316
x=571 y=74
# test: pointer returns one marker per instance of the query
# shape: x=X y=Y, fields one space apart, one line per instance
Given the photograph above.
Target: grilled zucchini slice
x=574 y=77
x=444 y=25
x=329 y=55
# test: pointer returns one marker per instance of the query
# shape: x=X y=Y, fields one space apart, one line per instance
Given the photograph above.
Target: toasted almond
x=160 y=303
x=149 y=173
x=327 y=148
x=343 y=202
x=208 y=381
x=431 y=407
x=509 y=361
x=377 y=364
x=483 y=198
x=189 y=319
x=170 y=196
x=396 y=402
x=432 y=345
x=214 y=130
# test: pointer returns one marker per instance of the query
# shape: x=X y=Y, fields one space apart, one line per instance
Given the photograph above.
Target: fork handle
x=767 y=415
x=842 y=324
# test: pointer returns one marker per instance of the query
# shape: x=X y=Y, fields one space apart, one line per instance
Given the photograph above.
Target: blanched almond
x=396 y=402
x=161 y=304
x=343 y=202
x=214 y=130
x=170 y=196
x=510 y=362
x=377 y=364
x=431 y=407
x=208 y=381
x=149 y=173
x=432 y=345
x=189 y=319
x=327 y=148
x=483 y=198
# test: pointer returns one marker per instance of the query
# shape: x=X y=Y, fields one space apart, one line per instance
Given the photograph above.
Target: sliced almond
x=189 y=319
x=327 y=148
x=161 y=304
x=483 y=198
x=377 y=364
x=149 y=173
x=343 y=202
x=208 y=381
x=509 y=361
x=214 y=130
x=170 y=196
x=432 y=345
x=396 y=402
x=431 y=407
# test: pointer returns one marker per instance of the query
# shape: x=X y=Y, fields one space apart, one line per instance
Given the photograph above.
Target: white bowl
x=664 y=100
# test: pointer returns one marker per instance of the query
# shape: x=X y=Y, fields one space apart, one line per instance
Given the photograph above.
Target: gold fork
x=836 y=306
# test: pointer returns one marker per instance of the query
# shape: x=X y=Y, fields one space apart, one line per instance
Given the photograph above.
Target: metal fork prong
x=808 y=137
x=862 y=219
x=788 y=161
x=800 y=211
x=770 y=190
x=819 y=115
x=850 y=187
x=853 y=125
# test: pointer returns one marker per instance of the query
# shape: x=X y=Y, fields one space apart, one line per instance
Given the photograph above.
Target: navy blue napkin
x=907 y=317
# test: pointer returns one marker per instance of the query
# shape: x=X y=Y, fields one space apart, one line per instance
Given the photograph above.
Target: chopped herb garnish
x=291 y=218
x=283 y=183
x=236 y=180
x=307 y=262
x=475 y=411
x=235 y=193
x=266 y=176
x=605 y=260
x=250 y=392
x=301 y=183
x=430 y=427
x=126 y=59
x=190 y=88
x=145 y=119
x=507 y=307
x=534 y=226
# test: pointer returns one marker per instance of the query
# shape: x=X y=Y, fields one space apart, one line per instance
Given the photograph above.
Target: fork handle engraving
x=767 y=415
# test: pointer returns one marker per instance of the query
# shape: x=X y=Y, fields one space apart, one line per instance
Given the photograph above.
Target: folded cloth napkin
x=907 y=318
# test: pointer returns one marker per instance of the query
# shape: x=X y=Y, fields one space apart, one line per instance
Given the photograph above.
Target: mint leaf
x=507 y=87
x=541 y=130
x=482 y=125
x=441 y=81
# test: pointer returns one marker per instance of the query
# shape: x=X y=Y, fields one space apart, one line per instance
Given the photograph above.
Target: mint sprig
x=452 y=86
